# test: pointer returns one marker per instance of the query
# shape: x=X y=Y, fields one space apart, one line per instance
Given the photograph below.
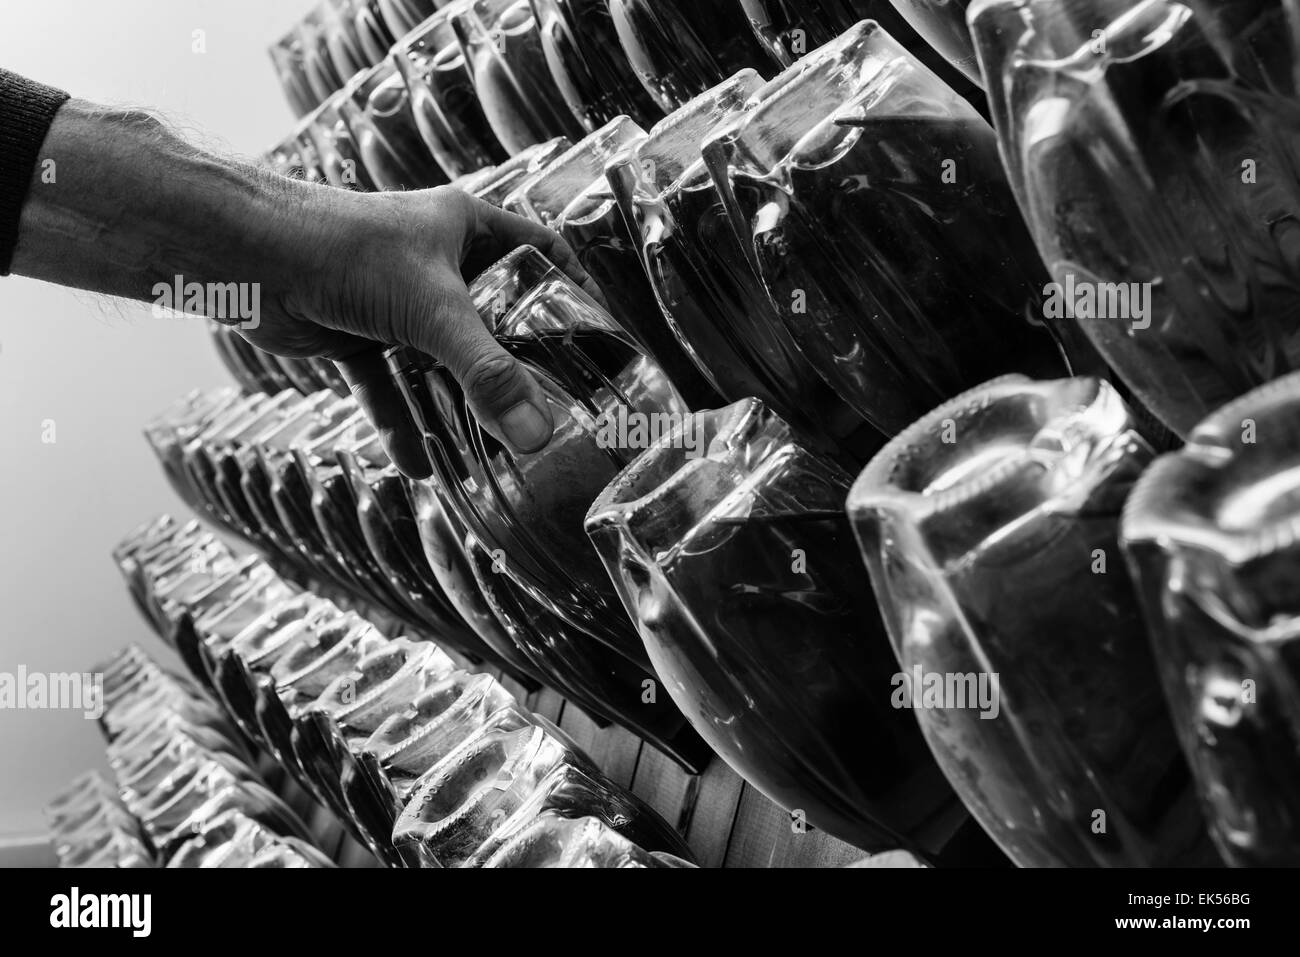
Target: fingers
x=430 y=309
x=367 y=375
x=503 y=395
x=508 y=232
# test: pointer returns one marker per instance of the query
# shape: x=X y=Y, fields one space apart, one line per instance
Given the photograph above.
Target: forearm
x=119 y=203
x=114 y=202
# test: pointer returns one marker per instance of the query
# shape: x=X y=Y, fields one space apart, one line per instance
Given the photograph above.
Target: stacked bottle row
x=724 y=537
x=306 y=481
x=838 y=251
x=1020 y=541
x=91 y=827
x=674 y=224
x=442 y=89
x=535 y=594
x=186 y=788
x=426 y=764
x=335 y=40
x=258 y=371
x=853 y=243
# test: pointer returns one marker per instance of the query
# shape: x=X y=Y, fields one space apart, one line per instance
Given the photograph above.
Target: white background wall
x=100 y=369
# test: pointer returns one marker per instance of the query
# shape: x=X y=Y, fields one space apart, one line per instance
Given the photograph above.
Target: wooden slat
x=757 y=831
x=516 y=688
x=547 y=703
x=464 y=664
x=613 y=749
x=711 y=824
x=661 y=783
x=764 y=836
x=819 y=849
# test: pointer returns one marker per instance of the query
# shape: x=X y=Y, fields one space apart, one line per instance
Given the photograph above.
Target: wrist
x=291 y=231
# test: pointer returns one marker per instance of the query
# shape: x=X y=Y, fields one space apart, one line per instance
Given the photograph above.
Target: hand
x=341 y=274
x=393 y=270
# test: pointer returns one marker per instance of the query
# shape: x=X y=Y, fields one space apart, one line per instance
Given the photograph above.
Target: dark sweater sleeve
x=26 y=111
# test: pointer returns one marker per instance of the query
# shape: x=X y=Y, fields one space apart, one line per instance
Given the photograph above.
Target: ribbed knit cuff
x=26 y=111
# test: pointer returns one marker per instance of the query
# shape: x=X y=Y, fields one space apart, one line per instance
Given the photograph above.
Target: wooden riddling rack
x=726 y=822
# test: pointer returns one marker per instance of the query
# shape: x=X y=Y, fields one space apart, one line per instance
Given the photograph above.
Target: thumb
x=504 y=396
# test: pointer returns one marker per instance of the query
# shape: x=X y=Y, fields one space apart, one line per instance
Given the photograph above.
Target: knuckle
x=493 y=379
x=451 y=200
x=446 y=194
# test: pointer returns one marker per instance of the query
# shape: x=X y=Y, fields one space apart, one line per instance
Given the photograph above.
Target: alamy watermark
x=133 y=912
x=231 y=303
x=25 y=690
x=1084 y=299
x=943 y=690
x=623 y=428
